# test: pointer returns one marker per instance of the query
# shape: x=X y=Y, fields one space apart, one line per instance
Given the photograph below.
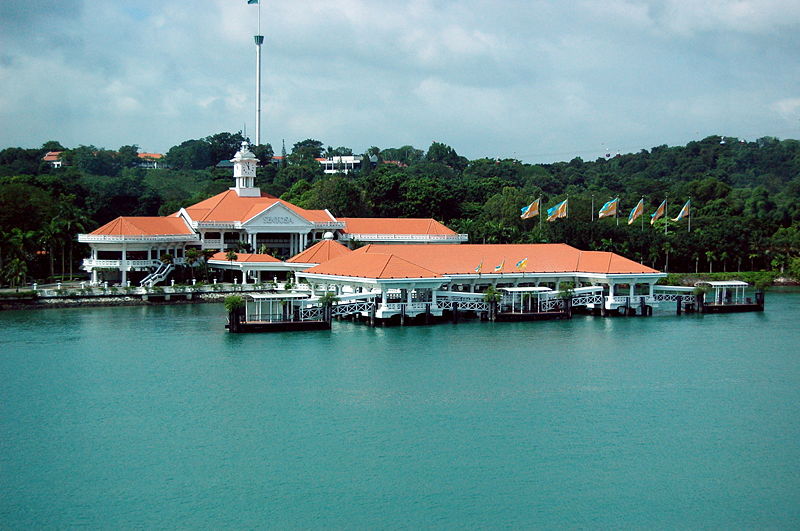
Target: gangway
x=160 y=274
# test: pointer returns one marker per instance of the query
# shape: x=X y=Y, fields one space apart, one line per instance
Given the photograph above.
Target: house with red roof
x=242 y=217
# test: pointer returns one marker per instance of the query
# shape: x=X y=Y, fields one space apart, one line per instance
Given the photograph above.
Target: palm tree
x=710 y=256
x=16 y=272
x=192 y=256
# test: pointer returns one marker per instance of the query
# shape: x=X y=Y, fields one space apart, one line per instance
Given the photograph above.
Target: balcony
x=107 y=238
x=90 y=263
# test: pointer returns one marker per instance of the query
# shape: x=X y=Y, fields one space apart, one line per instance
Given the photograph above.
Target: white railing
x=158 y=275
x=585 y=300
x=458 y=296
x=474 y=305
x=313 y=313
x=89 y=262
x=405 y=237
x=329 y=224
x=549 y=305
x=99 y=238
x=400 y=306
x=216 y=225
x=352 y=307
x=672 y=297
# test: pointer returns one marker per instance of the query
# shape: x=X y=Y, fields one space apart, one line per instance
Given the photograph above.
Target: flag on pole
x=660 y=211
x=252 y=1
x=500 y=266
x=636 y=212
x=558 y=211
x=684 y=213
x=531 y=210
x=480 y=266
x=609 y=209
x=522 y=264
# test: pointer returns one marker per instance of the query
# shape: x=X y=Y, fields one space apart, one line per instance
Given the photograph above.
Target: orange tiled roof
x=320 y=252
x=52 y=156
x=143 y=226
x=245 y=257
x=151 y=156
x=373 y=265
x=541 y=258
x=394 y=226
x=229 y=207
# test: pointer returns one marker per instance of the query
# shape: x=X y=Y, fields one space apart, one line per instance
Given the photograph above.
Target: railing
x=672 y=297
x=158 y=275
x=216 y=225
x=550 y=305
x=478 y=306
x=329 y=224
x=585 y=300
x=97 y=238
x=312 y=313
x=458 y=296
x=89 y=262
x=352 y=307
x=405 y=237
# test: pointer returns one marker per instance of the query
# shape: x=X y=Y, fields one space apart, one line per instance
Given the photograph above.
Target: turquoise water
x=155 y=417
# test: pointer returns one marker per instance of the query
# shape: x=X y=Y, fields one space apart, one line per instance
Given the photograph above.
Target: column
x=632 y=290
x=124 y=264
x=304 y=241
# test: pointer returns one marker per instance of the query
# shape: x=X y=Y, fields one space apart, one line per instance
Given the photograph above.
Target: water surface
x=155 y=417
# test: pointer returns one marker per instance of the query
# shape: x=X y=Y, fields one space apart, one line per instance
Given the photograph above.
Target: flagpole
x=540 y=215
x=616 y=213
x=666 y=217
x=592 y=207
x=690 y=215
x=642 y=214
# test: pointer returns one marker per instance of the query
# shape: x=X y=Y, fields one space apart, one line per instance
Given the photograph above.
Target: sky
x=539 y=81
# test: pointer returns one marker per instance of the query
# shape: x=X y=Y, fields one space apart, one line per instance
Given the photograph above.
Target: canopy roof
x=538 y=258
x=373 y=266
x=320 y=252
x=394 y=226
x=429 y=261
x=230 y=207
x=242 y=258
x=723 y=283
x=143 y=226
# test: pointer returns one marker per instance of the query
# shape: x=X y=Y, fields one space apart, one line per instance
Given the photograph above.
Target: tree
x=128 y=156
x=16 y=272
x=51 y=145
x=192 y=256
x=223 y=146
x=264 y=153
x=446 y=155
x=190 y=155
x=306 y=152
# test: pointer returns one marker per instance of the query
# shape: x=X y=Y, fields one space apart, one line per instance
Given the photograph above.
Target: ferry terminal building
x=402 y=262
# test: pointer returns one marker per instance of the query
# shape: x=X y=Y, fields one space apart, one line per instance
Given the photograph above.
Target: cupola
x=244 y=172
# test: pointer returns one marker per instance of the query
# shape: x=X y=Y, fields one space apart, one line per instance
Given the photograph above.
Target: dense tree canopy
x=745 y=197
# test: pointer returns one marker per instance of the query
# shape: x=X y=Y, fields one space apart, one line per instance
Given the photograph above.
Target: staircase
x=159 y=275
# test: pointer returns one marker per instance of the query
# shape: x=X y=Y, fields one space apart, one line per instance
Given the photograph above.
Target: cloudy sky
x=535 y=80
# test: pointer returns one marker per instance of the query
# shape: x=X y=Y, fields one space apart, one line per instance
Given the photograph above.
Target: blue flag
x=252 y=1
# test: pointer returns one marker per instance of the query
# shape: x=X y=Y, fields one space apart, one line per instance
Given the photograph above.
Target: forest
x=745 y=197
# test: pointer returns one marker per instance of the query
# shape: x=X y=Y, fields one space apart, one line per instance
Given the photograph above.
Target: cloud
x=527 y=77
